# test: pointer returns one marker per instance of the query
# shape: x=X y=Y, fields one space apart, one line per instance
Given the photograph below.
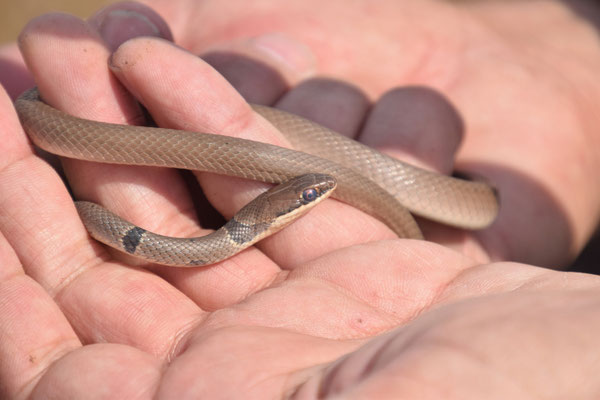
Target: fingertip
x=13 y=142
x=59 y=25
x=15 y=77
x=337 y=105
x=186 y=93
x=417 y=123
x=262 y=68
x=122 y=21
x=63 y=52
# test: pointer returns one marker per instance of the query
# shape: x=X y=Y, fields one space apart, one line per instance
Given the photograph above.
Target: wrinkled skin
x=334 y=305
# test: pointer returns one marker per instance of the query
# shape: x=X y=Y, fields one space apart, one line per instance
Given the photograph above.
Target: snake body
x=375 y=183
x=266 y=214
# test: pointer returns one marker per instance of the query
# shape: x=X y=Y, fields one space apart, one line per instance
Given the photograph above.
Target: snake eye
x=309 y=195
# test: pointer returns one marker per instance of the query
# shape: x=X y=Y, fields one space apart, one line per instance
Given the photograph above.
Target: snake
x=321 y=163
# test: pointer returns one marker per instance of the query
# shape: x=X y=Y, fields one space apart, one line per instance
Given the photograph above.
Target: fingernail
x=118 y=26
x=284 y=50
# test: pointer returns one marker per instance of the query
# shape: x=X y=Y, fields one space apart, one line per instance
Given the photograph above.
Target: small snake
x=323 y=160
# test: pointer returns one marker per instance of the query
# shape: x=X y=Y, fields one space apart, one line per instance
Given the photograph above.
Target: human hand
x=529 y=129
x=74 y=324
x=107 y=302
x=548 y=207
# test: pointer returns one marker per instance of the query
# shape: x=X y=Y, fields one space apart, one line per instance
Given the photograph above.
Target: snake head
x=284 y=203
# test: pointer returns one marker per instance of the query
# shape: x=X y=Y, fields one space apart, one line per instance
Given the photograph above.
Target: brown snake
x=375 y=183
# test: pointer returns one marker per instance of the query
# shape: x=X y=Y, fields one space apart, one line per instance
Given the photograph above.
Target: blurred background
x=14 y=14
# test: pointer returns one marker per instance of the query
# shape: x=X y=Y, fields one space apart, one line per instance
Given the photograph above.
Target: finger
x=101 y=371
x=420 y=126
x=41 y=354
x=49 y=56
x=62 y=68
x=37 y=211
x=335 y=104
x=14 y=76
x=33 y=331
x=262 y=68
x=118 y=22
x=415 y=124
x=197 y=102
x=103 y=301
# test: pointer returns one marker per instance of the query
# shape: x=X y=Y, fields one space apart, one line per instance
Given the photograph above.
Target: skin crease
x=388 y=318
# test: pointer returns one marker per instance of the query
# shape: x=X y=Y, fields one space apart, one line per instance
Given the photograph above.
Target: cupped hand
x=522 y=77
x=292 y=319
x=387 y=319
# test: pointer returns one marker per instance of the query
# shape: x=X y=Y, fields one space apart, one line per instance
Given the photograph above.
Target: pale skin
x=352 y=312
